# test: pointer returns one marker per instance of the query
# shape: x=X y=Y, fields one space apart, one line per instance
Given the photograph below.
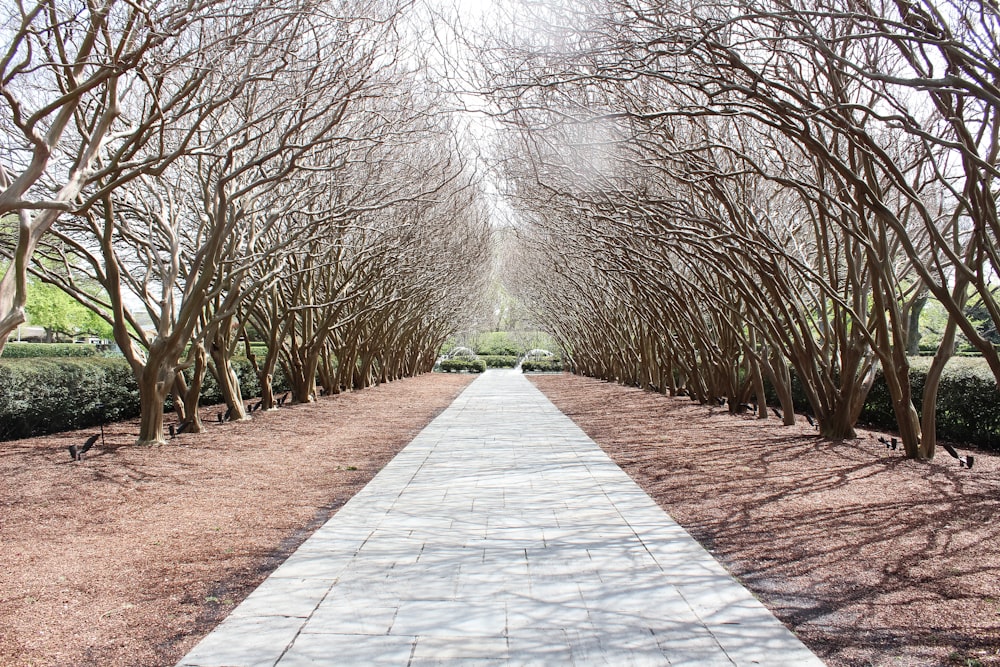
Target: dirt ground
x=130 y=556
x=871 y=559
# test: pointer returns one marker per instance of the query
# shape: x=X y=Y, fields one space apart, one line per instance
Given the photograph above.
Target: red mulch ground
x=871 y=559
x=132 y=555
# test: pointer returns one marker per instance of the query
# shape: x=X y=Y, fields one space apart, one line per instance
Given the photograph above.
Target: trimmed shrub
x=36 y=350
x=500 y=361
x=259 y=350
x=968 y=409
x=249 y=384
x=47 y=395
x=460 y=364
x=541 y=366
x=39 y=396
x=968 y=405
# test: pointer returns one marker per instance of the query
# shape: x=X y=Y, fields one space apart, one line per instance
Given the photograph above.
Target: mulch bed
x=869 y=558
x=130 y=556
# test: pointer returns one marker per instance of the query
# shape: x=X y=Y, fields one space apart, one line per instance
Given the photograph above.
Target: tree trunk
x=267 y=401
x=193 y=394
x=155 y=381
x=328 y=372
x=907 y=421
x=781 y=378
x=229 y=384
x=265 y=373
x=913 y=324
x=346 y=361
x=890 y=341
x=669 y=377
x=897 y=379
x=946 y=348
x=180 y=392
x=757 y=380
x=909 y=426
x=303 y=376
x=362 y=375
x=839 y=425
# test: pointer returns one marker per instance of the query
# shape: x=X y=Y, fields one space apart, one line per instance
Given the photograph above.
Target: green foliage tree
x=59 y=313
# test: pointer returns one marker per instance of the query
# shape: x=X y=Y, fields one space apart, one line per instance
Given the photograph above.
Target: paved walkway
x=502 y=535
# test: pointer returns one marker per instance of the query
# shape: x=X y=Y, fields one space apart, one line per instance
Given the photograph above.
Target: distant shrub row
x=35 y=350
x=47 y=395
x=498 y=344
x=462 y=364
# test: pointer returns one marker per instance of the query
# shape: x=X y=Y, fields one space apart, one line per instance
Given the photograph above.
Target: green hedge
x=500 y=361
x=39 y=396
x=968 y=404
x=457 y=365
x=259 y=350
x=541 y=366
x=36 y=350
x=968 y=409
x=249 y=384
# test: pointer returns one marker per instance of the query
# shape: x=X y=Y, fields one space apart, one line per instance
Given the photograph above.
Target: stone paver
x=502 y=535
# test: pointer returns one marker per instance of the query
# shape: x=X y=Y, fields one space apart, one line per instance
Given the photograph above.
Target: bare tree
x=68 y=72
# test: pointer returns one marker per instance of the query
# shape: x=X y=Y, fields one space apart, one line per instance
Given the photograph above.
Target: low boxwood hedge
x=968 y=403
x=463 y=364
x=500 y=360
x=498 y=344
x=47 y=395
x=35 y=350
x=249 y=384
x=541 y=366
